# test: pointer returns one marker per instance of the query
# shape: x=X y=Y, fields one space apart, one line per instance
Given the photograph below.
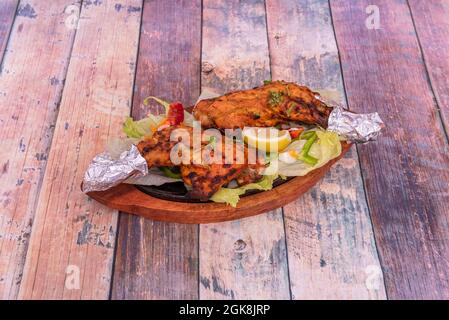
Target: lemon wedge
x=267 y=139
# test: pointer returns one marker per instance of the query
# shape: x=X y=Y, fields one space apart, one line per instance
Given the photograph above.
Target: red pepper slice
x=295 y=133
x=175 y=113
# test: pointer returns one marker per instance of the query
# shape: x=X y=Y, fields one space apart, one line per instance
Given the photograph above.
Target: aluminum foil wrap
x=104 y=172
x=355 y=127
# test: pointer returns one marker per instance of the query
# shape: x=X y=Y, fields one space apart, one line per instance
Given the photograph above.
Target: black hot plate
x=176 y=191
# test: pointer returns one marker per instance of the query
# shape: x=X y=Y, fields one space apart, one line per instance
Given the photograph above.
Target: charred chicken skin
x=204 y=179
x=275 y=103
x=156 y=149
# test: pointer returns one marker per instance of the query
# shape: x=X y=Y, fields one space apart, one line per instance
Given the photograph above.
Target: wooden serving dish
x=128 y=198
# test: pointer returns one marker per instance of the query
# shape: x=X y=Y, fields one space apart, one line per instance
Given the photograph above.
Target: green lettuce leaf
x=232 y=196
x=188 y=117
x=145 y=127
x=163 y=103
x=327 y=147
x=140 y=128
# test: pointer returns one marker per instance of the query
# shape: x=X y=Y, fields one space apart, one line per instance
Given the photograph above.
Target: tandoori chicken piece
x=205 y=178
x=275 y=103
x=156 y=149
x=249 y=175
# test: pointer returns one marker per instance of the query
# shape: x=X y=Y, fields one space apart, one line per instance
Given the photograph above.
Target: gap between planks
x=37 y=56
x=8 y=10
x=157 y=260
x=240 y=259
x=431 y=41
x=330 y=243
x=406 y=183
x=79 y=234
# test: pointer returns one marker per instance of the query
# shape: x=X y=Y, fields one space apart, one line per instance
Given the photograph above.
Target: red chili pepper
x=175 y=113
x=295 y=133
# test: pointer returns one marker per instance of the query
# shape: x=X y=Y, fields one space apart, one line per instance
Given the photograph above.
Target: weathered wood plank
x=31 y=82
x=406 y=172
x=432 y=26
x=72 y=242
x=157 y=260
x=331 y=249
x=7 y=14
x=246 y=258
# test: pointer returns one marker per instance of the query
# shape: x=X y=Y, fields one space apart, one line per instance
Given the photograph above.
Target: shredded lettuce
x=232 y=196
x=169 y=173
x=154 y=178
x=326 y=148
x=146 y=126
x=116 y=146
x=163 y=103
x=140 y=128
x=188 y=117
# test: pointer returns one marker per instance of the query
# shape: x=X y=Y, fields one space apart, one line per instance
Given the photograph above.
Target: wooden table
x=376 y=227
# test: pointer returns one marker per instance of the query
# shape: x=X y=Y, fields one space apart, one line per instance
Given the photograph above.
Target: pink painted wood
x=406 y=172
x=72 y=243
x=64 y=92
x=158 y=260
x=31 y=82
x=321 y=264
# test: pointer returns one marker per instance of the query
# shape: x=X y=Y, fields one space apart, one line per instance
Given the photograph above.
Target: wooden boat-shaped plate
x=131 y=199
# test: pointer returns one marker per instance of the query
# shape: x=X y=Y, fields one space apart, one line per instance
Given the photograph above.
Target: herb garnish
x=291 y=108
x=288 y=91
x=170 y=173
x=265 y=82
x=212 y=141
x=275 y=98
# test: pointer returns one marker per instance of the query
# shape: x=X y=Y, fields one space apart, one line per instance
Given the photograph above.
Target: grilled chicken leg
x=204 y=179
x=274 y=103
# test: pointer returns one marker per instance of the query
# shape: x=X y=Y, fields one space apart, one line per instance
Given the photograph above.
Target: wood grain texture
x=406 y=172
x=7 y=15
x=431 y=20
x=331 y=248
x=157 y=260
x=31 y=82
x=72 y=242
x=247 y=258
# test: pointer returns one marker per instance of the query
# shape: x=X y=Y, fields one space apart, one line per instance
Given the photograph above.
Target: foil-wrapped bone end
x=356 y=127
x=104 y=172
